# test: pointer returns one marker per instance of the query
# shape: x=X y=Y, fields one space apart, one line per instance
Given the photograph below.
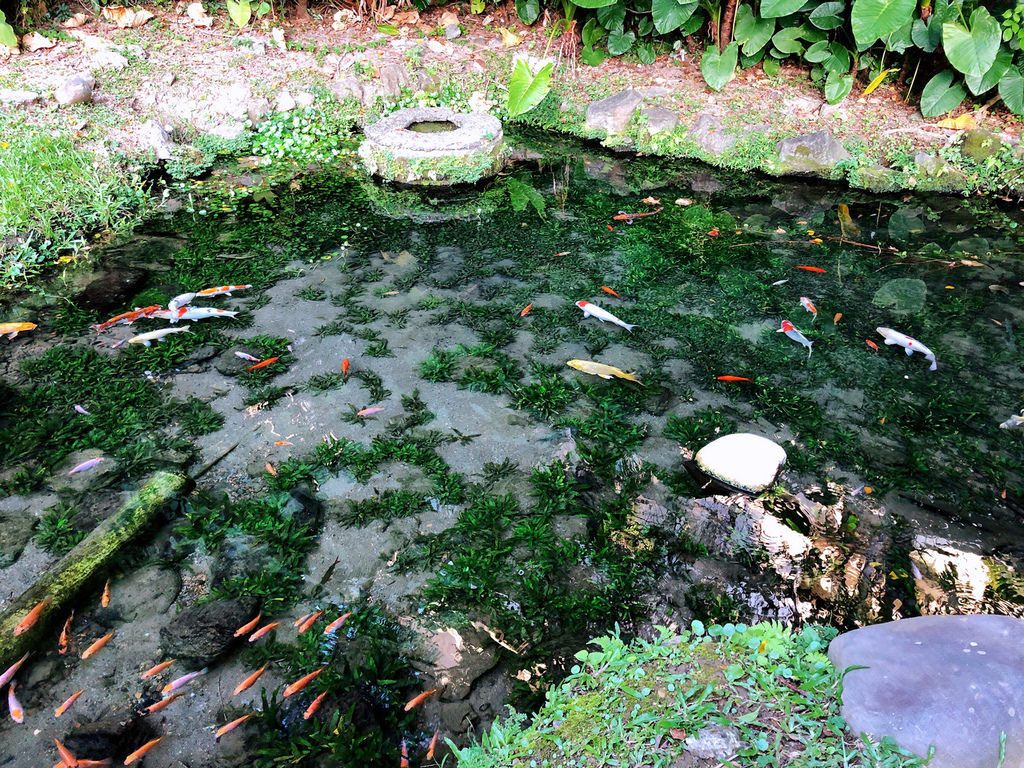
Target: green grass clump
x=775 y=688
x=54 y=532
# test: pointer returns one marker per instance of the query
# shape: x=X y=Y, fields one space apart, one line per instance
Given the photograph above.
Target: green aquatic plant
x=197 y=417
x=389 y=505
x=312 y=293
x=545 y=397
x=55 y=533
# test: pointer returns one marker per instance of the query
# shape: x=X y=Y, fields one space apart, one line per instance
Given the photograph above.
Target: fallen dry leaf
x=971 y=263
x=199 y=16
x=677 y=733
x=962 y=123
x=33 y=41
x=126 y=17
x=406 y=17
x=75 y=21
x=448 y=18
x=388 y=13
x=508 y=39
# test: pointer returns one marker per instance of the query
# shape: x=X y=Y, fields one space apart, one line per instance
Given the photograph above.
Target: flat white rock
x=745 y=461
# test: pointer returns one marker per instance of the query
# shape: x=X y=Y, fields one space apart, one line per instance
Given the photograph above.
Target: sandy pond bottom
x=501 y=507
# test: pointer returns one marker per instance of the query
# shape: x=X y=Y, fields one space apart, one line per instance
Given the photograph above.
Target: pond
x=388 y=429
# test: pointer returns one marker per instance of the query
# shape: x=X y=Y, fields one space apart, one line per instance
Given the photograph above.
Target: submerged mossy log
x=62 y=583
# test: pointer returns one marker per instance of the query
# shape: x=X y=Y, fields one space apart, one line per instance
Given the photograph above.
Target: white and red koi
x=193 y=313
x=909 y=344
x=368 y=412
x=790 y=330
x=221 y=290
x=181 y=300
x=592 y=310
x=14 y=706
x=247 y=357
x=12 y=670
x=809 y=306
x=82 y=410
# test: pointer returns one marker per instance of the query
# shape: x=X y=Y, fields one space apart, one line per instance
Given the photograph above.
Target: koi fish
x=871 y=344
x=812 y=269
x=282 y=442
x=67 y=704
x=181 y=682
x=790 y=330
x=837 y=318
x=610 y=227
x=263 y=630
x=12 y=670
x=405 y=755
x=809 y=306
x=96 y=646
x=310 y=621
x=602 y=314
x=302 y=682
x=345 y=365
x=312 y=708
x=369 y=411
x=780 y=282
x=526 y=310
x=105 y=597
x=628 y=217
x=223 y=289
x=1010 y=423
x=911 y=345
x=82 y=410
x=250 y=681
x=14 y=706
x=147 y=338
x=606 y=289
x=142 y=750
x=65 y=637
x=390 y=293
x=181 y=300
x=85 y=465
x=193 y=313
x=163 y=703
x=11 y=330
x=247 y=357
x=415 y=701
x=65 y=755
x=247 y=628
x=156 y=669
x=301 y=619
x=334 y=625
x=563 y=253
x=714 y=232
x=602 y=370
x=263 y=364
x=31 y=617
x=232 y=725
x=733 y=378
x=433 y=744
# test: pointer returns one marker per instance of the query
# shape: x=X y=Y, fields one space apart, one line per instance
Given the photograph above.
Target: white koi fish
x=86 y=465
x=790 y=330
x=909 y=344
x=809 y=306
x=193 y=313
x=1013 y=421
x=180 y=301
x=147 y=338
x=601 y=314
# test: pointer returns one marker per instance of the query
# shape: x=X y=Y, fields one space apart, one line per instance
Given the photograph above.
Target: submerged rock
x=747 y=462
x=16 y=526
x=904 y=295
x=112 y=290
x=204 y=632
x=115 y=736
x=955 y=682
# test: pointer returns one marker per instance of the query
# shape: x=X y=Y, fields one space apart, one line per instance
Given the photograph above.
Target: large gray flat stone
x=953 y=681
x=614 y=114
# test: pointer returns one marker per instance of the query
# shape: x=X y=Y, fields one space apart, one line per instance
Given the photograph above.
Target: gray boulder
x=708 y=134
x=16 y=526
x=75 y=90
x=614 y=114
x=955 y=682
x=159 y=141
x=979 y=145
x=203 y=633
x=659 y=119
x=935 y=174
x=816 y=153
x=14 y=96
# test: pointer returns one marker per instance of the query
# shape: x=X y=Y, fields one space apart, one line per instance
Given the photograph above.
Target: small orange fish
x=142 y=750
x=302 y=682
x=405 y=755
x=733 y=378
x=369 y=411
x=249 y=681
x=263 y=630
x=232 y=725
x=333 y=626
x=65 y=754
x=67 y=704
x=995 y=321
x=270 y=469
x=415 y=701
x=97 y=645
x=105 y=597
x=247 y=628
x=312 y=708
x=83 y=763
x=610 y=227
x=12 y=670
x=390 y=293
x=304 y=627
x=811 y=269
x=628 y=217
x=65 y=635
x=263 y=364
x=301 y=619
x=563 y=253
x=837 y=318
x=714 y=232
x=156 y=670
x=282 y=442
x=606 y=289
x=950 y=287
x=883 y=420
x=345 y=365
x=14 y=706
x=527 y=309
x=153 y=708
x=31 y=617
x=871 y=344
x=433 y=744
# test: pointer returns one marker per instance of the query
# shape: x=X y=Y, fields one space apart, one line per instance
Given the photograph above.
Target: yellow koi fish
x=602 y=370
x=10 y=330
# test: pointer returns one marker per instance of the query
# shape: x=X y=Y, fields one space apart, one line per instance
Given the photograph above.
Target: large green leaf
x=592 y=57
x=592 y=33
x=940 y=95
x=1011 y=91
x=901 y=39
x=833 y=56
x=990 y=79
x=240 y=12
x=718 y=68
x=773 y=9
x=620 y=42
x=972 y=51
x=875 y=19
x=787 y=40
x=669 y=15
x=751 y=32
x=926 y=35
x=827 y=15
x=7 y=36
x=528 y=10
x=593 y=3
x=771 y=66
x=612 y=16
x=526 y=90
x=837 y=87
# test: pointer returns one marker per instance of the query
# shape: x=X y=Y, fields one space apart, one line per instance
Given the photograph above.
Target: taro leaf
x=837 y=87
x=671 y=14
x=827 y=15
x=592 y=33
x=874 y=19
x=771 y=66
x=904 y=295
x=900 y=40
x=990 y=79
x=773 y=9
x=612 y=16
x=388 y=29
x=940 y=95
x=691 y=25
x=645 y=26
x=526 y=90
x=620 y=42
x=645 y=52
x=240 y=12
x=818 y=52
x=787 y=40
x=751 y=32
x=972 y=51
x=521 y=194
x=904 y=223
x=926 y=35
x=1011 y=91
x=594 y=3
x=718 y=68
x=528 y=10
x=838 y=60
x=7 y=36
x=592 y=57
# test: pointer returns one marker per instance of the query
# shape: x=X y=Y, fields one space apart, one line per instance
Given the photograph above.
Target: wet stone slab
x=955 y=682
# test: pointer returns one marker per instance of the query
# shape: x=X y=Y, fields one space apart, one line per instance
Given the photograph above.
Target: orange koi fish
x=105 y=597
x=282 y=442
x=157 y=669
x=31 y=617
x=247 y=628
x=417 y=700
x=163 y=703
x=433 y=744
x=14 y=706
x=83 y=763
x=67 y=704
x=345 y=365
x=302 y=682
x=310 y=621
x=837 y=318
x=181 y=682
x=714 y=232
x=526 y=309
x=809 y=306
x=142 y=750
x=232 y=725
x=312 y=708
x=270 y=469
x=333 y=626
x=96 y=646
x=249 y=681
x=65 y=636
x=221 y=289
x=628 y=217
x=301 y=619
x=263 y=364
x=733 y=378
x=610 y=227
x=405 y=755
x=11 y=330
x=65 y=754
x=871 y=344
x=12 y=670
x=263 y=630
x=606 y=289
x=811 y=269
